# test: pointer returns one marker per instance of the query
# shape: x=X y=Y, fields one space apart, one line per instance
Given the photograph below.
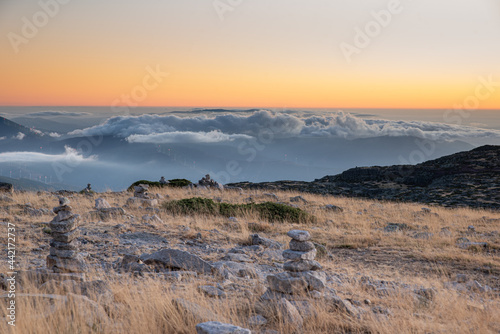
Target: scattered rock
x=258 y=240
x=289 y=314
x=101 y=203
x=178 y=259
x=215 y=327
x=333 y=208
x=298 y=199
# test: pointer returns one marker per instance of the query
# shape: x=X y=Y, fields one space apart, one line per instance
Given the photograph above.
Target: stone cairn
x=208 y=182
x=141 y=191
x=163 y=180
x=64 y=256
x=141 y=196
x=302 y=271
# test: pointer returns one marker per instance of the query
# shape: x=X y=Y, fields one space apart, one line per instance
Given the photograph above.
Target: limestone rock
x=101 y=203
x=215 y=327
x=302 y=265
x=73 y=265
x=284 y=283
x=294 y=255
x=178 y=259
x=301 y=246
x=290 y=314
x=258 y=240
x=299 y=235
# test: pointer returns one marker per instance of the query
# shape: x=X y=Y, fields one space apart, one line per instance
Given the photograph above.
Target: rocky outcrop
x=465 y=179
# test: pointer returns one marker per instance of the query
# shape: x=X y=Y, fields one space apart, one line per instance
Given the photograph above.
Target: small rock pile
x=302 y=271
x=163 y=180
x=64 y=256
x=207 y=182
x=141 y=196
x=141 y=191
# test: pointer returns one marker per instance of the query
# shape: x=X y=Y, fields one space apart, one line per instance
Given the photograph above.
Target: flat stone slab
x=178 y=259
x=299 y=235
x=284 y=283
x=63 y=265
x=302 y=265
x=301 y=246
x=215 y=327
x=65 y=237
x=295 y=255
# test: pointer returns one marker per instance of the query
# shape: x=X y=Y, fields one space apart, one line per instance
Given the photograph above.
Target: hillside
x=30 y=185
x=379 y=267
x=470 y=178
x=9 y=128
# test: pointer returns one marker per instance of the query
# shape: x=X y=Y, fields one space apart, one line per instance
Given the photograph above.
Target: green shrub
x=269 y=211
x=175 y=183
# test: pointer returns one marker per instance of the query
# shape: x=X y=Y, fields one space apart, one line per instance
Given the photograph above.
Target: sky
x=251 y=53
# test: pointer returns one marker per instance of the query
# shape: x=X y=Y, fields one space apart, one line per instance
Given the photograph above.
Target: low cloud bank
x=70 y=155
x=185 y=137
x=168 y=128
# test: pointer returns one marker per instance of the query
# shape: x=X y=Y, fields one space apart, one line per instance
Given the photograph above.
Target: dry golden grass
x=355 y=239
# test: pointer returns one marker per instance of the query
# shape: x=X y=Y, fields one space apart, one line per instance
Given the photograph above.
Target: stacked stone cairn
x=141 y=191
x=302 y=273
x=208 y=182
x=64 y=256
x=141 y=196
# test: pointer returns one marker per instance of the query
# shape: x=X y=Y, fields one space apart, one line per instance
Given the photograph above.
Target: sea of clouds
x=228 y=127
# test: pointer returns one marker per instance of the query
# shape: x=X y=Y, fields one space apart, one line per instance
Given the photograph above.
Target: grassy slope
x=355 y=240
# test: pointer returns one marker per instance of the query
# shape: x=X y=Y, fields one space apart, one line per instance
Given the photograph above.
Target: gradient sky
x=263 y=53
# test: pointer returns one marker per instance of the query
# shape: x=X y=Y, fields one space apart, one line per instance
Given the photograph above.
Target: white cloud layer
x=337 y=125
x=53 y=113
x=69 y=156
x=185 y=137
x=19 y=136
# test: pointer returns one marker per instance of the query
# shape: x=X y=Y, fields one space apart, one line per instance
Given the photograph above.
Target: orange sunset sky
x=250 y=53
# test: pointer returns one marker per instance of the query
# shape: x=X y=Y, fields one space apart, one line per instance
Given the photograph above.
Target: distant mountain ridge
x=9 y=128
x=470 y=178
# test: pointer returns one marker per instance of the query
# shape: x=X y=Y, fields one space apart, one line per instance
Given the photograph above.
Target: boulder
x=289 y=314
x=285 y=283
x=101 y=203
x=215 y=327
x=258 y=240
x=178 y=259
